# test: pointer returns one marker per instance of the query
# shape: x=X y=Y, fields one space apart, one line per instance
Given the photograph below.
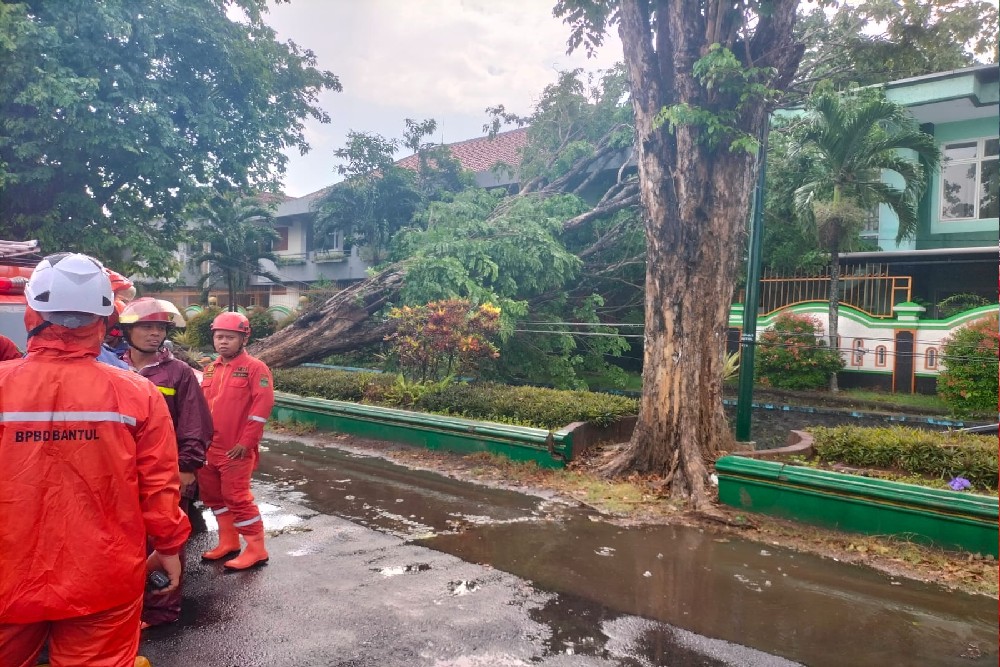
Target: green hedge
x=914 y=451
x=525 y=406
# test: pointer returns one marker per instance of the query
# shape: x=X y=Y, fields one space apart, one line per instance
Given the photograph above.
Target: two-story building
x=303 y=267
x=892 y=322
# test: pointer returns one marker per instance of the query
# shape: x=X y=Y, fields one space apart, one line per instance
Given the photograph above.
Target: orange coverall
x=88 y=468
x=240 y=395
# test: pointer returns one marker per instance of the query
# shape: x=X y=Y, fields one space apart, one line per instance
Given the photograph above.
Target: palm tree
x=238 y=234
x=853 y=140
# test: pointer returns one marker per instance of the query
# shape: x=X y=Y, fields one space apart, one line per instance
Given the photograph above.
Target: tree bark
x=695 y=201
x=339 y=324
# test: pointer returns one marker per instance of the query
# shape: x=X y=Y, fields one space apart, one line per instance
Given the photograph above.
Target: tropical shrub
x=199 y=328
x=442 y=339
x=793 y=355
x=945 y=455
x=959 y=303
x=262 y=324
x=968 y=383
x=525 y=406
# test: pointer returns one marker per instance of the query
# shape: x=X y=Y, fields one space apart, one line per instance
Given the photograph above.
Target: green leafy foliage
x=378 y=197
x=875 y=41
x=721 y=73
x=115 y=117
x=793 y=355
x=849 y=140
x=529 y=406
x=442 y=339
x=916 y=451
x=403 y=393
x=959 y=303
x=329 y=384
x=262 y=324
x=489 y=250
x=526 y=406
x=968 y=383
x=199 y=328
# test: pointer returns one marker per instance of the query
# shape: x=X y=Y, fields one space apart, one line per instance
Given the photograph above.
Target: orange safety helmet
x=148 y=309
x=122 y=287
x=237 y=322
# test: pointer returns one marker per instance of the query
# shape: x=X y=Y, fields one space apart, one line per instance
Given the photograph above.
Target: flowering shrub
x=443 y=338
x=968 y=384
x=793 y=355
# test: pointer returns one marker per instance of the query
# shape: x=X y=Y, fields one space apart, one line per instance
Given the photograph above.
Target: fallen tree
x=516 y=251
x=339 y=324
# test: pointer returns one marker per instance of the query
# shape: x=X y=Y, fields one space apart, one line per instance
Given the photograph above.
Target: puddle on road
x=816 y=611
x=382 y=495
x=804 y=608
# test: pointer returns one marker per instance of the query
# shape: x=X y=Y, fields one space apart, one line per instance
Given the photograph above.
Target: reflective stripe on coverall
x=88 y=468
x=240 y=394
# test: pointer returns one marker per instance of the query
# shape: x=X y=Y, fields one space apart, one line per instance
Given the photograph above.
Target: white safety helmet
x=71 y=284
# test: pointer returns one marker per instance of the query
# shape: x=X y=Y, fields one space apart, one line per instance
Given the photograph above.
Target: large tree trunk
x=696 y=200
x=337 y=325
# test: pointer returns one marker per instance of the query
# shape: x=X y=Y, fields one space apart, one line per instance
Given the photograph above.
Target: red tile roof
x=482 y=154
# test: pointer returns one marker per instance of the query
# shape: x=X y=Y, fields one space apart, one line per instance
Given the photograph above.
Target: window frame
x=283 y=233
x=881 y=354
x=858 y=352
x=978 y=161
x=932 y=359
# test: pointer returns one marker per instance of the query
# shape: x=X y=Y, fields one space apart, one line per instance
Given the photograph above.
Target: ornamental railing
x=870 y=289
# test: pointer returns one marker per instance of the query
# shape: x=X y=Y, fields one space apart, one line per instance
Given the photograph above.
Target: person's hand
x=187 y=479
x=170 y=565
x=237 y=452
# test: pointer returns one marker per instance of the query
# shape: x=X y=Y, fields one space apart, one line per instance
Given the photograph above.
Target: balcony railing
x=869 y=289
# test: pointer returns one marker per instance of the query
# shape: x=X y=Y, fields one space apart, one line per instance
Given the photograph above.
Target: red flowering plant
x=793 y=355
x=442 y=339
x=968 y=383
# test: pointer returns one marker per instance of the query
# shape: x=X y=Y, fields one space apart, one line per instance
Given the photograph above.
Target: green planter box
x=860 y=504
x=550 y=449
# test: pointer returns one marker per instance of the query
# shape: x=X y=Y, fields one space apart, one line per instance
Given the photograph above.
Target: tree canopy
x=378 y=197
x=874 y=41
x=116 y=116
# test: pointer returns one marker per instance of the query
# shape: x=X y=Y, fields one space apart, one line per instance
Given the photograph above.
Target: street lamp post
x=744 y=407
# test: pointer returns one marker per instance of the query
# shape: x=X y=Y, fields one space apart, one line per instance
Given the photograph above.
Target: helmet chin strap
x=127 y=335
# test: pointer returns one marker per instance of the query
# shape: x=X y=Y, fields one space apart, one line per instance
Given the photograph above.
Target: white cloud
x=441 y=59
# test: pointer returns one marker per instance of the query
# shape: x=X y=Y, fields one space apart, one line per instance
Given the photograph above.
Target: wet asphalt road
x=361 y=574
x=336 y=593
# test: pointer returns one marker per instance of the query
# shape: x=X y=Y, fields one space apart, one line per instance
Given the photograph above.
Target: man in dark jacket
x=145 y=323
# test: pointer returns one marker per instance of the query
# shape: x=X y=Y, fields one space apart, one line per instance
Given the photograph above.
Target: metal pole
x=744 y=408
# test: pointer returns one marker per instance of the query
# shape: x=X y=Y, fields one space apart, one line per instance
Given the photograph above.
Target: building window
x=858 y=352
x=280 y=243
x=931 y=358
x=970 y=176
x=880 y=355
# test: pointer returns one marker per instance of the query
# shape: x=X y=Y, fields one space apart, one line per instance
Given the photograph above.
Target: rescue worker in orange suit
x=88 y=469
x=240 y=395
x=145 y=324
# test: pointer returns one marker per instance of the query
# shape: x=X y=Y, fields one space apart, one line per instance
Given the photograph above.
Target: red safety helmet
x=237 y=322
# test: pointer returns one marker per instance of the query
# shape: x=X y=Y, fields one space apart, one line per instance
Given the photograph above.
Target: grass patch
x=908 y=402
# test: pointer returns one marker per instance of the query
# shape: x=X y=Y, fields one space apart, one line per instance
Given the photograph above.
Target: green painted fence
x=860 y=504
x=551 y=449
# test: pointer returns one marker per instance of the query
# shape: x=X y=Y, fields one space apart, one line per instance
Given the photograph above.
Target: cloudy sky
x=441 y=59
